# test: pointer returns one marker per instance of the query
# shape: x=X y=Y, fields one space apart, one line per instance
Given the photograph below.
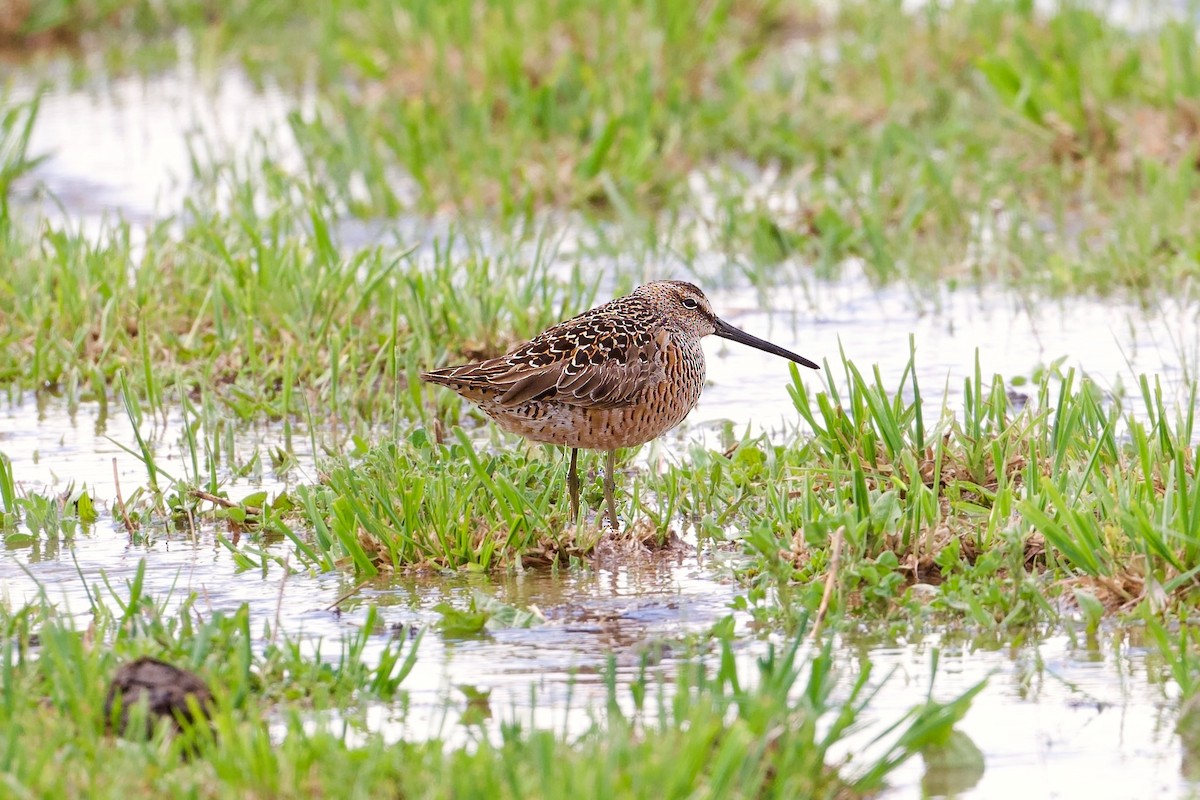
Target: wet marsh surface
x=1077 y=701
x=1071 y=713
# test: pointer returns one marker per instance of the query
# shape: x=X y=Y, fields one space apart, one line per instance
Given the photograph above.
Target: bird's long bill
x=727 y=331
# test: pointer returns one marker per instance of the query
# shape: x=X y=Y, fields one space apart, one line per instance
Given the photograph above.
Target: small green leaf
x=255 y=500
x=501 y=615
x=951 y=767
x=455 y=622
x=1091 y=608
x=85 y=509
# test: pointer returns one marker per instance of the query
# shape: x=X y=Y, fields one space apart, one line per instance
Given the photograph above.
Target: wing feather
x=590 y=361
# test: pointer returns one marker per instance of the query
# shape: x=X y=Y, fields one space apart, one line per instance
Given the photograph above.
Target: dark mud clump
x=167 y=691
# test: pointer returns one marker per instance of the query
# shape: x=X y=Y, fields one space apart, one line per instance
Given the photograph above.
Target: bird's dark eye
x=690 y=304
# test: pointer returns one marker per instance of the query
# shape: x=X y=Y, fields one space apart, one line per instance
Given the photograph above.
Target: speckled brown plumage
x=616 y=376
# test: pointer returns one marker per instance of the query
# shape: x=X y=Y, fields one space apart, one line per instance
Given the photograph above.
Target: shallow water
x=1057 y=715
x=1057 y=719
x=141 y=134
x=1071 y=719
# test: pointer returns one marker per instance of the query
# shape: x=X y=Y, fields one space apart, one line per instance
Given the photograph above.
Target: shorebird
x=617 y=376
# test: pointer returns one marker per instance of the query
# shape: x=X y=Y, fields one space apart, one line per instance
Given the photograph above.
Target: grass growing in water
x=1005 y=507
x=264 y=307
x=713 y=731
x=1008 y=506
x=969 y=141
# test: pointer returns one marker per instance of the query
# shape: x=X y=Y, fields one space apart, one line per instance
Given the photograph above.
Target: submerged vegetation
x=550 y=154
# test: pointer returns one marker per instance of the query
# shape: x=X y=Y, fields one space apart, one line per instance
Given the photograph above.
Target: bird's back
x=616 y=376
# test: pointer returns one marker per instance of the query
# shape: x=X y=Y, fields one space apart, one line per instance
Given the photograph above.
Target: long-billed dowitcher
x=617 y=376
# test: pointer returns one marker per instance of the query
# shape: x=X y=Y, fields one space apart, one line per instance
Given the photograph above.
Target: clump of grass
x=409 y=502
x=1004 y=508
x=601 y=103
x=981 y=140
x=414 y=502
x=260 y=305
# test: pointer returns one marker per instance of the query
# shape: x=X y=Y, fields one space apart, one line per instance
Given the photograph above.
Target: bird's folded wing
x=592 y=363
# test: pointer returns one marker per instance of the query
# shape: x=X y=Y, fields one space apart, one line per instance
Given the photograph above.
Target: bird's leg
x=610 y=469
x=573 y=485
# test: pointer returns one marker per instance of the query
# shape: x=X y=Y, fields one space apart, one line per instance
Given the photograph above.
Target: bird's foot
x=607 y=521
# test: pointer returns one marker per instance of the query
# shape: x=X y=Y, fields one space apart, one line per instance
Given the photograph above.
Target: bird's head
x=687 y=307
